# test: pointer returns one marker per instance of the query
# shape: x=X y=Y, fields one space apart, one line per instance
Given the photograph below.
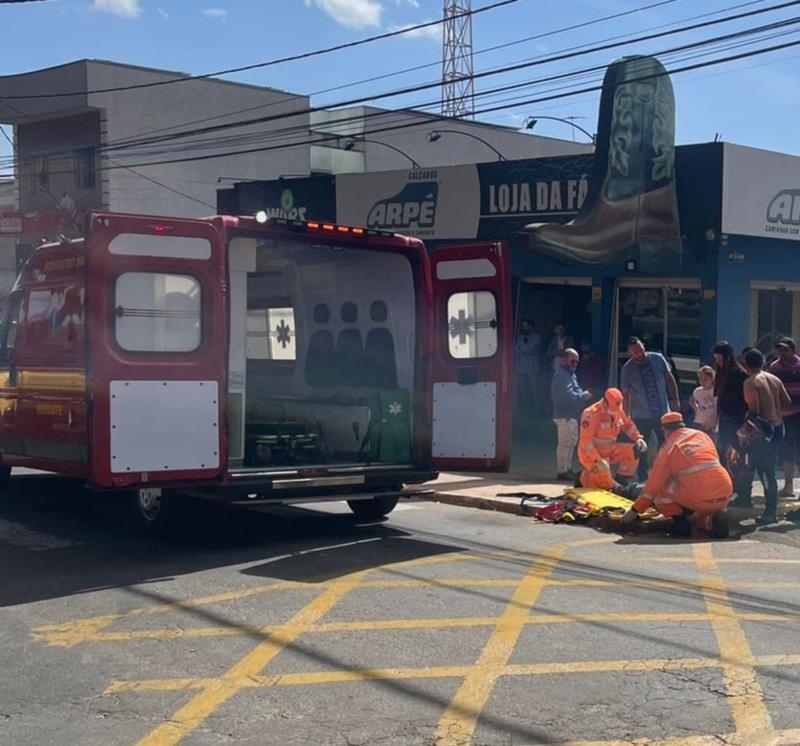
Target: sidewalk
x=488 y=491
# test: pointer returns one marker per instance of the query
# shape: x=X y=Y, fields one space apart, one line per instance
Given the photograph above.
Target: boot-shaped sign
x=631 y=208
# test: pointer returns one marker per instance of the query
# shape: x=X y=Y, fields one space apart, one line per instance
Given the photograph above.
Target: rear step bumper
x=407 y=494
x=339 y=483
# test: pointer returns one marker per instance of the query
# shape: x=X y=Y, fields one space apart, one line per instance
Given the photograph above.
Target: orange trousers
x=620 y=455
x=702 y=507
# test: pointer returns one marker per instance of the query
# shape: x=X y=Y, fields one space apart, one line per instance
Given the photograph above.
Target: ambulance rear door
x=471 y=363
x=156 y=301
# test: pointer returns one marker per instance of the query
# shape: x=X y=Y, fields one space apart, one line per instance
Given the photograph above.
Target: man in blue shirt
x=650 y=391
x=569 y=400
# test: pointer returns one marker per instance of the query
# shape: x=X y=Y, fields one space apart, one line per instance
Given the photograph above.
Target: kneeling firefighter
x=686 y=481
x=598 y=450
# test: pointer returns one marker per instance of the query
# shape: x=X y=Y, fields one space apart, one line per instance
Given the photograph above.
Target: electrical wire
x=528 y=102
x=501 y=70
x=438 y=63
x=358 y=118
x=480 y=75
x=715 y=44
x=268 y=63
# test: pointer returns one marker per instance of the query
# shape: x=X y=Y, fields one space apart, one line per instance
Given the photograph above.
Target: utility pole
x=458 y=88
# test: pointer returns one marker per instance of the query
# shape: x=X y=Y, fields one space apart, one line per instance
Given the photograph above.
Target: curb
x=481 y=503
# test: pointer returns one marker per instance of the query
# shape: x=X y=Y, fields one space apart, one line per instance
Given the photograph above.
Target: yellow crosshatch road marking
x=745 y=696
x=365 y=674
x=459 y=720
x=220 y=690
x=433 y=623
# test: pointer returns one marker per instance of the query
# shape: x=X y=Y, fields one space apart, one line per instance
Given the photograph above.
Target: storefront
x=736 y=276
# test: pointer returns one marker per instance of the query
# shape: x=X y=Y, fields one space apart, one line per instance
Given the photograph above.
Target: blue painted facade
x=516 y=193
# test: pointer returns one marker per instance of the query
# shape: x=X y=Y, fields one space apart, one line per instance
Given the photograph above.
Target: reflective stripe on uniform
x=603 y=441
x=698 y=468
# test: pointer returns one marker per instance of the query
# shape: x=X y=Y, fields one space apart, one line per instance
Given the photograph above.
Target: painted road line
x=85 y=630
x=460 y=718
x=745 y=696
x=683 y=741
x=20 y=535
x=172 y=633
x=654 y=664
x=525 y=669
x=220 y=690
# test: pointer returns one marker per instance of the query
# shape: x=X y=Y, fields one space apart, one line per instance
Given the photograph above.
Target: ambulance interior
x=322 y=354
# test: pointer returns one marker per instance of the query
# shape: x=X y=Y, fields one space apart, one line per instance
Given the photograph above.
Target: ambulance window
x=157 y=312
x=271 y=334
x=8 y=332
x=472 y=324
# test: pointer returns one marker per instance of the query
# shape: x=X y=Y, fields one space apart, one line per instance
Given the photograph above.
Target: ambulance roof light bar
x=263 y=218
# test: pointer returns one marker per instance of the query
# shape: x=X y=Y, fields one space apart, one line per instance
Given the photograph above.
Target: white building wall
x=142 y=113
x=368 y=127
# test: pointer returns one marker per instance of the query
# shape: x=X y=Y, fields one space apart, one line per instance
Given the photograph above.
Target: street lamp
x=437 y=135
x=350 y=144
x=530 y=123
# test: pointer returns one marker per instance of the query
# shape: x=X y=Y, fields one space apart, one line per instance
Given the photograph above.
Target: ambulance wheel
x=154 y=511
x=373 y=509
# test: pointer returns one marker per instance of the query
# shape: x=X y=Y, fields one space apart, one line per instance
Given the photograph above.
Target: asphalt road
x=442 y=625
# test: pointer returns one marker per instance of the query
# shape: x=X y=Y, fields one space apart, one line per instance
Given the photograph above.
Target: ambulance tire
x=374 y=509
x=156 y=516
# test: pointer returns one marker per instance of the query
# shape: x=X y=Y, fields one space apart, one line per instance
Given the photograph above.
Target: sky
x=753 y=101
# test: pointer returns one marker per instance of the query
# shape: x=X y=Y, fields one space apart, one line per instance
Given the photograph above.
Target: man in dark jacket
x=569 y=400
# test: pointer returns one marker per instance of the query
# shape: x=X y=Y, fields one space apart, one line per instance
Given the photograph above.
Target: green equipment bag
x=390 y=426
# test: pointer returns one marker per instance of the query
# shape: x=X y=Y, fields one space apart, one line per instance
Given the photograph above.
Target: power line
x=528 y=102
x=479 y=75
x=395 y=73
x=567 y=54
x=303 y=129
x=268 y=63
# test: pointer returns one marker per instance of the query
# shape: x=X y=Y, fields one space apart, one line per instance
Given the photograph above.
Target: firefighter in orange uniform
x=686 y=480
x=598 y=450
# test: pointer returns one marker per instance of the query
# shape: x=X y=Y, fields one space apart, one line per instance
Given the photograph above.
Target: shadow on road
x=89 y=543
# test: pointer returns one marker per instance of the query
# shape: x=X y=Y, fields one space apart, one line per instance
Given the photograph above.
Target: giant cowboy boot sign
x=631 y=208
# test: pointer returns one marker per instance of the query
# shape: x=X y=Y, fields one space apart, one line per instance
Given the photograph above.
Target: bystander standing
x=787 y=368
x=561 y=341
x=704 y=403
x=527 y=353
x=766 y=398
x=650 y=392
x=569 y=400
x=731 y=406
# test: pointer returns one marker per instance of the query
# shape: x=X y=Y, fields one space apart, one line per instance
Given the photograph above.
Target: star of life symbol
x=461 y=327
x=395 y=408
x=284 y=334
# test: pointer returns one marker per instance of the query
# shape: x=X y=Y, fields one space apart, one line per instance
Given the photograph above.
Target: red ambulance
x=255 y=361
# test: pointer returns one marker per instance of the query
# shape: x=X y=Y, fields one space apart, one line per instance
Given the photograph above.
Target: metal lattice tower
x=458 y=88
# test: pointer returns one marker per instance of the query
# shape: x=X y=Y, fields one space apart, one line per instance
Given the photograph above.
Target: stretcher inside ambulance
x=244 y=360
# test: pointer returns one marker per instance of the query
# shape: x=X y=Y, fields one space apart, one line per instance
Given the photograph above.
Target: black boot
x=681 y=526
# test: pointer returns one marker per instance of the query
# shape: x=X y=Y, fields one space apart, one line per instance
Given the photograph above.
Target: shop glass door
x=777 y=311
x=667 y=318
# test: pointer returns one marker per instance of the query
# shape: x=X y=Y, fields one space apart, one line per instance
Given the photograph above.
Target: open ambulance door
x=471 y=364
x=156 y=304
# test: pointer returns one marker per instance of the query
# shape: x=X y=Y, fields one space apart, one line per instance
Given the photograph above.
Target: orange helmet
x=614 y=399
x=672 y=418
